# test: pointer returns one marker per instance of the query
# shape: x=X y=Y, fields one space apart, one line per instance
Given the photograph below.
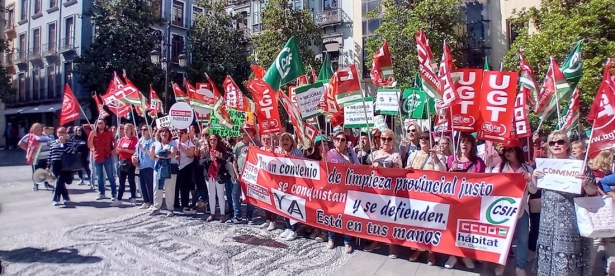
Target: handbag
x=71 y=162
x=174 y=168
x=124 y=165
x=595 y=216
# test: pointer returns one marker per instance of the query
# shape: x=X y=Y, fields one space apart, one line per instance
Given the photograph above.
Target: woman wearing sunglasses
x=385 y=157
x=561 y=249
x=411 y=143
x=513 y=161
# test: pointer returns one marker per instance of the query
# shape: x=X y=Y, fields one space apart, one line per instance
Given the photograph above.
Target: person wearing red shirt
x=101 y=142
x=125 y=148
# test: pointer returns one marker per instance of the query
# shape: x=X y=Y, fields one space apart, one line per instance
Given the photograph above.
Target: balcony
x=21 y=59
x=236 y=2
x=34 y=55
x=67 y=46
x=328 y=17
x=9 y=29
x=8 y=64
x=50 y=52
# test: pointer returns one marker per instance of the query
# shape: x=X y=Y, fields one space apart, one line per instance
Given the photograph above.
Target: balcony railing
x=328 y=17
x=67 y=44
x=34 y=53
x=20 y=56
x=236 y=2
x=49 y=49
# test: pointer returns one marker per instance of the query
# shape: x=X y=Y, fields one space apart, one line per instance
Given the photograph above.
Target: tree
x=401 y=19
x=7 y=92
x=553 y=30
x=124 y=40
x=215 y=46
x=281 y=22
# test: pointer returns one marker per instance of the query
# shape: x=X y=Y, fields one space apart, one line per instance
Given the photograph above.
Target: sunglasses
x=559 y=142
x=386 y=139
x=424 y=137
x=411 y=130
x=340 y=139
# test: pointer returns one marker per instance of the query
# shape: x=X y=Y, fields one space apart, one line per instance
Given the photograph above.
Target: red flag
x=346 y=87
x=314 y=76
x=521 y=122
x=128 y=82
x=70 y=107
x=219 y=110
x=180 y=95
x=302 y=80
x=113 y=97
x=466 y=114
x=430 y=81
x=259 y=72
x=382 y=67
x=449 y=92
x=337 y=119
x=102 y=114
x=267 y=107
x=527 y=79
x=295 y=118
x=327 y=103
x=233 y=97
x=496 y=101
x=155 y=104
x=572 y=115
x=602 y=114
x=205 y=93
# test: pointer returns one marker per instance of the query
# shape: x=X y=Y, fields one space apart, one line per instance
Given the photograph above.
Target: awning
x=44 y=108
x=17 y=110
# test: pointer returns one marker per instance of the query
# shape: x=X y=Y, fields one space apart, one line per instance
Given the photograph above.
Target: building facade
x=44 y=36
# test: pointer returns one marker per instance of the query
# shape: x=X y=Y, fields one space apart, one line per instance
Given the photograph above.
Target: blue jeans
x=228 y=188
x=347 y=238
x=100 y=177
x=146 y=179
x=237 y=204
x=522 y=232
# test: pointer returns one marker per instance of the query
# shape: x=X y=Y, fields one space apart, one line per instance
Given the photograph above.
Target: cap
x=512 y=143
x=320 y=138
x=248 y=126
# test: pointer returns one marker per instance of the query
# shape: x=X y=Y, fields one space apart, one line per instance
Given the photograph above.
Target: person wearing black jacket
x=59 y=147
x=80 y=139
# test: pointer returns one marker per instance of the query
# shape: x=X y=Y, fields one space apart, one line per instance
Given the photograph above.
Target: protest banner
x=466 y=113
x=361 y=114
x=412 y=208
x=237 y=117
x=560 y=175
x=497 y=100
x=380 y=123
x=308 y=97
x=387 y=101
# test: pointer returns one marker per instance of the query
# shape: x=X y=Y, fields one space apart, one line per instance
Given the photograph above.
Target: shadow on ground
x=56 y=256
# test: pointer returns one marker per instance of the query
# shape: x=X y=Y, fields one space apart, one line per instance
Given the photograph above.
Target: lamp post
x=165 y=61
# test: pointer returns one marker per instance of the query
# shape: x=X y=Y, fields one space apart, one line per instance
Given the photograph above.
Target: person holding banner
x=163 y=151
x=426 y=159
x=288 y=147
x=514 y=162
x=341 y=154
x=410 y=144
x=561 y=249
x=36 y=144
x=466 y=160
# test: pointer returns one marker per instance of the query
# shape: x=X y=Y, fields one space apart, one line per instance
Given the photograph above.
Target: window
x=366 y=66
x=157 y=8
x=24 y=10
x=52 y=38
x=53 y=4
x=256 y=14
x=196 y=11
x=242 y=20
x=513 y=31
x=69 y=31
x=10 y=18
x=177 y=16
x=370 y=5
x=22 y=46
x=36 y=42
x=329 y=5
x=68 y=73
x=36 y=86
x=177 y=43
x=370 y=26
x=51 y=82
x=298 y=4
x=38 y=6
x=22 y=87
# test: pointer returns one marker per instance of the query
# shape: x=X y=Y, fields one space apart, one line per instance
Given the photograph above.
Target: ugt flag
x=286 y=67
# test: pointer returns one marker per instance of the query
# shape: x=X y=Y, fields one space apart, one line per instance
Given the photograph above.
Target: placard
x=560 y=175
x=308 y=97
x=379 y=123
x=361 y=114
x=387 y=101
x=238 y=118
x=181 y=115
x=163 y=122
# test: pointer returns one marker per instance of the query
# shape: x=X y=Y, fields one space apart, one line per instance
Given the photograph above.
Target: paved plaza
x=91 y=238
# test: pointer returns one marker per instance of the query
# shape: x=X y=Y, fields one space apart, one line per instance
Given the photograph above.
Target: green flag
x=415 y=103
x=326 y=71
x=286 y=67
x=573 y=69
x=486 y=66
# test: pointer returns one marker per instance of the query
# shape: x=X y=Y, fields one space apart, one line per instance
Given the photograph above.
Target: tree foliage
x=215 y=46
x=553 y=30
x=124 y=40
x=401 y=19
x=7 y=91
x=280 y=23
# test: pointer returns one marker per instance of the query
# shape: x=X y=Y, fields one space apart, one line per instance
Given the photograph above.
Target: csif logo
x=501 y=210
x=282 y=64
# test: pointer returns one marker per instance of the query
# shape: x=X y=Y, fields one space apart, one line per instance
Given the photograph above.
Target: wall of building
x=500 y=31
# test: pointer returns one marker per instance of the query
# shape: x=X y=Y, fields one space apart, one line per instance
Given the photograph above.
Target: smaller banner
x=380 y=123
x=358 y=115
x=237 y=117
x=466 y=113
x=560 y=175
x=496 y=101
x=308 y=97
x=415 y=103
x=387 y=101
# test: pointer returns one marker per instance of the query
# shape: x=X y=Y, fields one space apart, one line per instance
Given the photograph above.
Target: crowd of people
x=197 y=171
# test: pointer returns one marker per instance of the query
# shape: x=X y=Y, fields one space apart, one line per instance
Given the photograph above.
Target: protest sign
x=360 y=114
x=412 y=208
x=387 y=101
x=237 y=117
x=380 y=123
x=308 y=97
x=163 y=122
x=181 y=115
x=560 y=175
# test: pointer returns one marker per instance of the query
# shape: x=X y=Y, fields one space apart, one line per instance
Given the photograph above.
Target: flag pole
x=591 y=134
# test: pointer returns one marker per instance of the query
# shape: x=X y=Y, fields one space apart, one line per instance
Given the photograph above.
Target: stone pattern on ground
x=144 y=245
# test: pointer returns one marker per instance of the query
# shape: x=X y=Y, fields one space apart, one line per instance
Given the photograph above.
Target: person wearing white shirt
x=185 y=183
